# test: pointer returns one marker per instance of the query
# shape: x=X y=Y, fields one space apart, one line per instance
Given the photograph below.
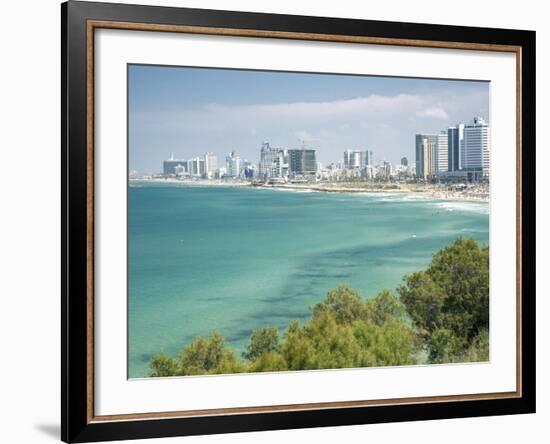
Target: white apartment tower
x=477 y=146
x=426 y=145
x=442 y=157
x=233 y=165
x=195 y=167
x=210 y=163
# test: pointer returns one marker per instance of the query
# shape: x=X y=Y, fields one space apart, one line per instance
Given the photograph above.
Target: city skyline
x=191 y=111
x=460 y=151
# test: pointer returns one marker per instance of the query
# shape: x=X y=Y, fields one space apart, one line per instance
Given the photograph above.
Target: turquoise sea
x=234 y=259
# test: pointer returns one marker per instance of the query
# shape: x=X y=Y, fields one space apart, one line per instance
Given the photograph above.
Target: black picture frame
x=76 y=424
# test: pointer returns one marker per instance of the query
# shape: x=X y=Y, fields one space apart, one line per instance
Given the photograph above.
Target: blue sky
x=189 y=111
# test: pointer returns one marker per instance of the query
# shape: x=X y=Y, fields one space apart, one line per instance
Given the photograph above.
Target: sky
x=189 y=111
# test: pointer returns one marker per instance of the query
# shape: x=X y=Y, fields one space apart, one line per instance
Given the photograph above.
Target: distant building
x=477 y=146
x=233 y=165
x=385 y=170
x=442 y=157
x=180 y=170
x=355 y=159
x=250 y=171
x=210 y=163
x=302 y=162
x=196 y=167
x=169 y=165
x=220 y=173
x=273 y=161
x=425 y=155
x=404 y=161
x=455 y=147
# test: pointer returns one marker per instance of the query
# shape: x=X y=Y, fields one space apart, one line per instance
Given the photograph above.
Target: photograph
x=276 y=221
x=283 y=221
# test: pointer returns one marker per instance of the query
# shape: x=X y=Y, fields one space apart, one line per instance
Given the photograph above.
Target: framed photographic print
x=275 y=221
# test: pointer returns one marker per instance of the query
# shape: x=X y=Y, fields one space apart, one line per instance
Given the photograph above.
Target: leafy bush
x=262 y=340
x=449 y=301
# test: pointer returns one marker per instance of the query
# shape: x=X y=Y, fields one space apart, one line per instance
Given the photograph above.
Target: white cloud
x=336 y=115
x=434 y=112
x=384 y=123
x=304 y=135
x=308 y=112
x=288 y=115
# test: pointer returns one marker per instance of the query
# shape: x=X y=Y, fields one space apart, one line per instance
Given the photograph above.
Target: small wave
x=476 y=207
x=402 y=198
x=292 y=190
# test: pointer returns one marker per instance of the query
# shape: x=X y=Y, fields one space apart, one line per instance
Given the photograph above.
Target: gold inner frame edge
x=92 y=25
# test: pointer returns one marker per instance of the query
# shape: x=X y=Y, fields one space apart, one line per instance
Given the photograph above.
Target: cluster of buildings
x=460 y=152
x=276 y=164
x=360 y=165
x=207 y=167
x=279 y=165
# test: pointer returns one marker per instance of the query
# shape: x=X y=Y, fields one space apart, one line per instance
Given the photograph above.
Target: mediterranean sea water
x=234 y=259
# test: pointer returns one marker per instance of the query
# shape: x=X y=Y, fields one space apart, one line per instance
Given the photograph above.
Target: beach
x=476 y=194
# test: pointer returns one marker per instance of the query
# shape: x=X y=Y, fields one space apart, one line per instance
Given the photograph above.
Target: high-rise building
x=355 y=159
x=404 y=161
x=352 y=159
x=302 y=162
x=250 y=171
x=169 y=165
x=273 y=161
x=425 y=155
x=442 y=157
x=385 y=170
x=210 y=163
x=455 y=147
x=233 y=165
x=477 y=146
x=195 y=167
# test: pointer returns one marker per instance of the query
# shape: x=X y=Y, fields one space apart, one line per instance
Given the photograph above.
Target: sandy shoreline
x=425 y=192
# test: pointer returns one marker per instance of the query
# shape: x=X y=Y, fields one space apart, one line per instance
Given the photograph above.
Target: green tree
x=385 y=307
x=349 y=331
x=262 y=340
x=268 y=362
x=478 y=350
x=345 y=303
x=208 y=356
x=449 y=301
x=163 y=365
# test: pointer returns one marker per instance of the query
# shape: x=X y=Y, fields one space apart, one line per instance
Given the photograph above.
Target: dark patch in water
x=323 y=275
x=212 y=299
x=271 y=315
x=145 y=357
x=239 y=335
x=278 y=299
